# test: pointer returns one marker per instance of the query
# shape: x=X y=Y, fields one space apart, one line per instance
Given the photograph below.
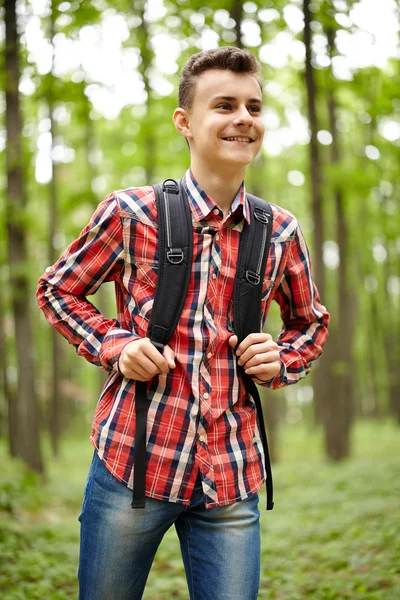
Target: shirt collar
x=202 y=204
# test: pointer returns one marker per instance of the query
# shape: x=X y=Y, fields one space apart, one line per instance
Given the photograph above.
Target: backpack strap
x=175 y=252
x=253 y=253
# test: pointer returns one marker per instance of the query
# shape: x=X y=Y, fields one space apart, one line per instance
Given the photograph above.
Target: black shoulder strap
x=253 y=253
x=175 y=250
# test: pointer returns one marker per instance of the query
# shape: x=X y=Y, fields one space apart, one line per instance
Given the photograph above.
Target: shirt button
x=214 y=276
x=209 y=355
x=202 y=438
x=216 y=211
x=48 y=269
x=217 y=237
x=206 y=395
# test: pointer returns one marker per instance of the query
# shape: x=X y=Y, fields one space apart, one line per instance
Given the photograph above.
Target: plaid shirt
x=200 y=417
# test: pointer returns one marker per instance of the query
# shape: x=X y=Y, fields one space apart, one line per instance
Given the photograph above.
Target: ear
x=182 y=123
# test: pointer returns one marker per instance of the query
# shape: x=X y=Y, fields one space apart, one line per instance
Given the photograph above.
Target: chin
x=243 y=159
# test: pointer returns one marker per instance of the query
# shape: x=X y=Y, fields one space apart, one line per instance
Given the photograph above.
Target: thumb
x=233 y=340
x=169 y=356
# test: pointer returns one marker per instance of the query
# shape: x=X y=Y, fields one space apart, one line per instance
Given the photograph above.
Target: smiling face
x=224 y=125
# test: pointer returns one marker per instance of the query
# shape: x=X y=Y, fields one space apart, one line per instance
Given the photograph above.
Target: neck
x=221 y=187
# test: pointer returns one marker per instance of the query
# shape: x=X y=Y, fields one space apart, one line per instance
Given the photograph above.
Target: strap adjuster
x=171 y=188
x=261 y=216
x=253 y=278
x=175 y=256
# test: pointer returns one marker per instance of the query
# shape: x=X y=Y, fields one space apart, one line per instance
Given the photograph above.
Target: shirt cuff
x=114 y=342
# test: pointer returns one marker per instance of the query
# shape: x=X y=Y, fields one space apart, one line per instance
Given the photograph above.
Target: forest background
x=87 y=94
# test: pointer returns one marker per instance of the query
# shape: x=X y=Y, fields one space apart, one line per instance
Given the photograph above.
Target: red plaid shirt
x=200 y=417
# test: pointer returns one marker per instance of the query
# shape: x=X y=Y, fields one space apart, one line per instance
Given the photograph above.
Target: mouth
x=239 y=138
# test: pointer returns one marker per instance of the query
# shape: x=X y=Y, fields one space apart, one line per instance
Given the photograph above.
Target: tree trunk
x=392 y=344
x=315 y=162
x=9 y=413
x=340 y=410
x=237 y=16
x=28 y=445
x=322 y=375
x=147 y=59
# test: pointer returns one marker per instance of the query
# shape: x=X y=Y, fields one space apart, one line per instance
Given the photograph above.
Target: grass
x=334 y=532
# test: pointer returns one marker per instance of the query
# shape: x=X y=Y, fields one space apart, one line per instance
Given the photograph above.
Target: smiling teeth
x=238 y=139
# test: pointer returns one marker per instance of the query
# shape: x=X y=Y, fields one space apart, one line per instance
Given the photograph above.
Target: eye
x=255 y=109
x=224 y=106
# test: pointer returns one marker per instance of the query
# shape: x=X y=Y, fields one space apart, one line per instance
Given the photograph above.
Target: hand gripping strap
x=175 y=251
x=253 y=254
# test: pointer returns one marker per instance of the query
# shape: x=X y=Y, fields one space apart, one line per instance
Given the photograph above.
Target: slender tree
x=9 y=413
x=315 y=161
x=237 y=16
x=27 y=427
x=322 y=389
x=146 y=53
x=340 y=412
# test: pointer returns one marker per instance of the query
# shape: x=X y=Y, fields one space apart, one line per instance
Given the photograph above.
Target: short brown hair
x=225 y=58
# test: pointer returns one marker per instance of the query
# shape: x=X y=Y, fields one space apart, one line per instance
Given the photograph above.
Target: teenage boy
x=204 y=456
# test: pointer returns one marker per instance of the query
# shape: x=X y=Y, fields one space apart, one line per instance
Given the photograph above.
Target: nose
x=243 y=117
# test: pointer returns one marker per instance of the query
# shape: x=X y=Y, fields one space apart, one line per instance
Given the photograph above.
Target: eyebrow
x=232 y=98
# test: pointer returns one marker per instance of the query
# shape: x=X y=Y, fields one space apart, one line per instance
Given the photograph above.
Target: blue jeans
x=220 y=546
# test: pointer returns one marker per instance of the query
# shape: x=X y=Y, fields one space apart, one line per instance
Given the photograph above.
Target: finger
x=266 y=346
x=252 y=351
x=267 y=356
x=151 y=353
x=169 y=356
x=146 y=365
x=265 y=370
x=138 y=375
x=252 y=338
x=233 y=340
x=128 y=365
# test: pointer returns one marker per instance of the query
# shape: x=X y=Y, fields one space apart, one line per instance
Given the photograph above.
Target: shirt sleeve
x=305 y=320
x=95 y=257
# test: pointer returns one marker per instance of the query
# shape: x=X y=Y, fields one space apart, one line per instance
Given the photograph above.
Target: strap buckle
x=171 y=188
x=253 y=278
x=175 y=256
x=261 y=215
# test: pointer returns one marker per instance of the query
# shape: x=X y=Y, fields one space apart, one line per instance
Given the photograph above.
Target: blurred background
x=87 y=92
